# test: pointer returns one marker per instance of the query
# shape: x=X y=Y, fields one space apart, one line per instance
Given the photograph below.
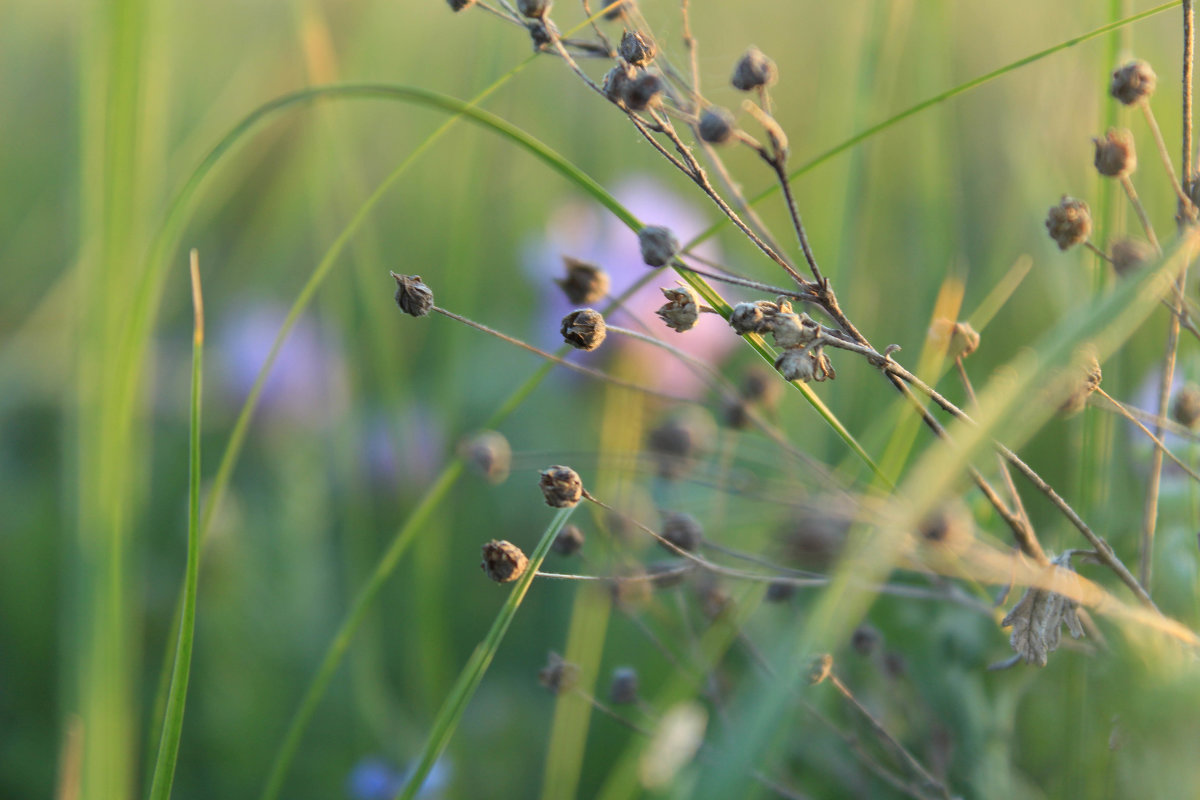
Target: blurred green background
x=105 y=111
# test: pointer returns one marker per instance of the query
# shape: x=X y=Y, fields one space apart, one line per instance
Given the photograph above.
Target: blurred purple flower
x=307 y=384
x=586 y=232
x=375 y=779
x=406 y=448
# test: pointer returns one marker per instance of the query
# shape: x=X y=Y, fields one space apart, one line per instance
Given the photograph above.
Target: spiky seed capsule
x=489 y=454
x=623 y=690
x=717 y=125
x=413 y=296
x=865 y=640
x=1087 y=382
x=822 y=665
x=534 y=9
x=780 y=591
x=796 y=364
x=584 y=329
x=568 y=541
x=561 y=486
x=1187 y=406
x=682 y=309
x=637 y=48
x=642 y=91
x=503 y=561
x=584 y=283
x=559 y=675
x=754 y=70
x=681 y=530
x=1115 y=153
x=658 y=245
x=1069 y=222
x=1129 y=255
x=459 y=5
x=1133 y=82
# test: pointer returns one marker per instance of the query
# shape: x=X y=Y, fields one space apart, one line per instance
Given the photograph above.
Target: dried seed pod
x=623 y=689
x=1086 y=383
x=947 y=528
x=760 y=386
x=637 y=48
x=642 y=91
x=735 y=414
x=794 y=330
x=503 y=561
x=1186 y=409
x=822 y=665
x=413 y=296
x=1133 y=82
x=584 y=283
x=681 y=530
x=658 y=245
x=616 y=83
x=816 y=537
x=619 y=10
x=559 y=675
x=459 y=5
x=958 y=338
x=1129 y=255
x=865 y=640
x=561 y=486
x=1115 y=153
x=584 y=329
x=796 y=364
x=534 y=9
x=682 y=309
x=489 y=454
x=754 y=70
x=543 y=33
x=780 y=591
x=1069 y=222
x=756 y=317
x=568 y=541
x=717 y=125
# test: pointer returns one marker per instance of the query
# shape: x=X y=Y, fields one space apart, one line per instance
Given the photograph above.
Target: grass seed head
x=717 y=125
x=623 y=689
x=568 y=541
x=561 y=486
x=1116 y=155
x=753 y=71
x=658 y=245
x=1069 y=222
x=637 y=48
x=503 y=561
x=584 y=283
x=1133 y=82
x=412 y=295
x=584 y=329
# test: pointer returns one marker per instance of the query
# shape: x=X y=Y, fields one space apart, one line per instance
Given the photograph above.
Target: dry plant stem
x=1185 y=205
x=1134 y=201
x=1158 y=442
x=1168 y=425
x=1189 y=45
x=893 y=744
x=690 y=43
x=1005 y=474
x=1088 y=244
x=508 y=15
x=593 y=373
x=616 y=715
x=587 y=10
x=778 y=164
x=735 y=192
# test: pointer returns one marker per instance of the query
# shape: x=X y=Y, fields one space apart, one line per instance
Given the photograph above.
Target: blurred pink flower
x=586 y=232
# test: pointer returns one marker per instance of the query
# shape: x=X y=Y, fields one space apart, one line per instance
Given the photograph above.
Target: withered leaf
x=1038 y=617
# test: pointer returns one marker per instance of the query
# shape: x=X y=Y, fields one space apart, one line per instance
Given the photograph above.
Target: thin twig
x=1157 y=441
x=1185 y=204
x=1147 y=226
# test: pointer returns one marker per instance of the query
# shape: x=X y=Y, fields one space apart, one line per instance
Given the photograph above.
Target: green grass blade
x=472 y=674
x=937 y=99
x=172 y=728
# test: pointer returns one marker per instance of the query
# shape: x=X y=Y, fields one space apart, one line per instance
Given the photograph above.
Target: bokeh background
x=105 y=111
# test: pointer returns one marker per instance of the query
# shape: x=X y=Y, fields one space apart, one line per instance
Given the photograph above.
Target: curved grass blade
x=172 y=727
x=937 y=99
x=472 y=674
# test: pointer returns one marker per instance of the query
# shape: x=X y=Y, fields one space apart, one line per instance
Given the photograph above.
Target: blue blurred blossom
x=307 y=384
x=373 y=778
x=406 y=447
x=585 y=231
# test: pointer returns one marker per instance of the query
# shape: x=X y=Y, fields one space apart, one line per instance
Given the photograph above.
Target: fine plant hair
x=787 y=567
